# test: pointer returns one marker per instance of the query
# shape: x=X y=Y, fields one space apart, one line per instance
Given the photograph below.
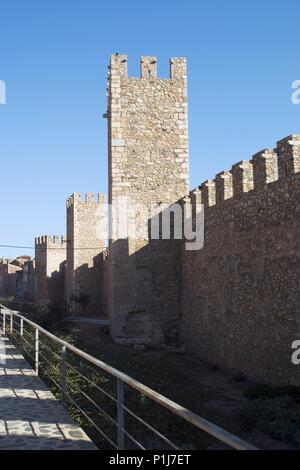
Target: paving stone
x=31 y=417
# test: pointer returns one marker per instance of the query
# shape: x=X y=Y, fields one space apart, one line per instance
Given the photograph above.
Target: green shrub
x=276 y=417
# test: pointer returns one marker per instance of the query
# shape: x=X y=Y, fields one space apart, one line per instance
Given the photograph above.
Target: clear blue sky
x=242 y=58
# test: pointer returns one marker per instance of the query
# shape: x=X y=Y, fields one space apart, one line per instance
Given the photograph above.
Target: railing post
x=121 y=420
x=4 y=323
x=11 y=328
x=63 y=373
x=19 y=338
x=21 y=327
x=37 y=351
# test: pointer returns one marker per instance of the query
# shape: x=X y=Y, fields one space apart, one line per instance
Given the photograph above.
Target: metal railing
x=32 y=338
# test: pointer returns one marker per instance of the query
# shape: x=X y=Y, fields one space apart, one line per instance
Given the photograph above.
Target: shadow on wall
x=8 y=279
x=241 y=292
x=146 y=285
x=90 y=297
x=235 y=302
x=55 y=286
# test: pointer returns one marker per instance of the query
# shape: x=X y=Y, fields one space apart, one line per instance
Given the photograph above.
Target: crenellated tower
x=85 y=243
x=149 y=165
x=50 y=258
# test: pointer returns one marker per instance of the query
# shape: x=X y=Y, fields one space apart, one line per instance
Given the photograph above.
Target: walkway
x=30 y=416
x=90 y=320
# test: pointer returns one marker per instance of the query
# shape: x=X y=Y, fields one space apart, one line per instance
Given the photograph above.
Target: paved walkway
x=30 y=416
x=90 y=321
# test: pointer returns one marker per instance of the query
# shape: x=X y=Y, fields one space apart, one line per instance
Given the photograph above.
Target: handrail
x=189 y=416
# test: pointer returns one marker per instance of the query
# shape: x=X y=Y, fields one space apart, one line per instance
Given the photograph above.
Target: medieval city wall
x=241 y=291
x=235 y=301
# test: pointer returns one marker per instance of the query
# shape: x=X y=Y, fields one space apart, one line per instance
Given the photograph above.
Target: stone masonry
x=241 y=291
x=148 y=164
x=85 y=254
x=50 y=258
x=235 y=301
x=8 y=277
x=26 y=282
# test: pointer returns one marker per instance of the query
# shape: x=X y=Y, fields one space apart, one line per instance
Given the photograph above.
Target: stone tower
x=85 y=244
x=148 y=164
x=50 y=259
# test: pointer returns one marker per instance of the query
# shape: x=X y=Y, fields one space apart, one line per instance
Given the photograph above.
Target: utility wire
x=21 y=247
x=49 y=248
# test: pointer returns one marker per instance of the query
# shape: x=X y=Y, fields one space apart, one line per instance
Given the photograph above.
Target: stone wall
x=85 y=245
x=241 y=291
x=8 y=278
x=26 y=282
x=30 y=284
x=148 y=165
x=50 y=258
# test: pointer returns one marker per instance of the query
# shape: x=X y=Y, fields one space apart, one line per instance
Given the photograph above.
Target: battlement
x=89 y=198
x=208 y=191
x=288 y=154
x=54 y=241
x=224 y=187
x=104 y=254
x=148 y=67
x=264 y=168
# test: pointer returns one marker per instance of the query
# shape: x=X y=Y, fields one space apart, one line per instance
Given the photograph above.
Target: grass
x=276 y=417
